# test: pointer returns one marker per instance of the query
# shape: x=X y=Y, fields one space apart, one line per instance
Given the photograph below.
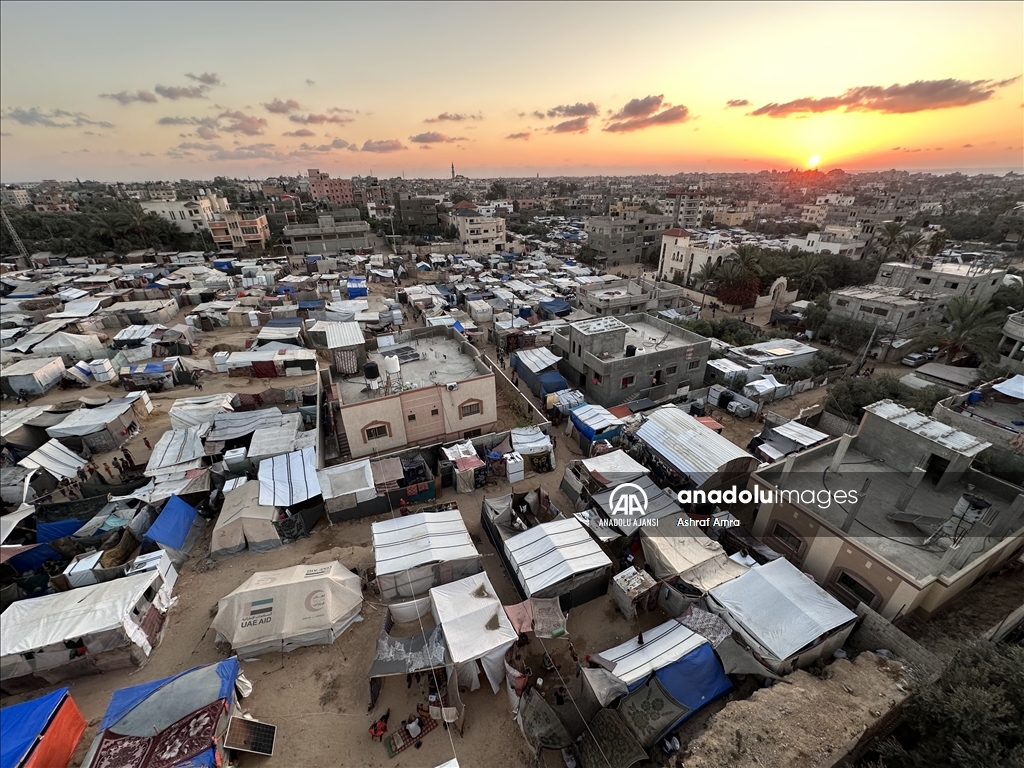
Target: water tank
x=391 y=364
x=630 y=350
x=384 y=316
x=974 y=397
x=724 y=398
x=971 y=508
x=371 y=371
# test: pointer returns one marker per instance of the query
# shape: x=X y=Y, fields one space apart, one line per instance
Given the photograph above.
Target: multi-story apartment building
x=892 y=309
x=480 y=234
x=626 y=297
x=191 y=215
x=417 y=213
x=689 y=206
x=323 y=187
x=829 y=242
x=161 y=193
x=682 y=256
x=626 y=239
x=16 y=197
x=968 y=280
x=239 y=229
x=328 y=236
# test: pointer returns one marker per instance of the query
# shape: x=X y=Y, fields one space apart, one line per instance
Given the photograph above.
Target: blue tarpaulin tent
x=595 y=422
x=41 y=732
x=172 y=525
x=356 y=287
x=194 y=703
x=556 y=307
x=695 y=680
x=551 y=381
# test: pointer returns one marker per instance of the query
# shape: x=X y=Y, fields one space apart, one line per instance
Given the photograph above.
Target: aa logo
x=628 y=499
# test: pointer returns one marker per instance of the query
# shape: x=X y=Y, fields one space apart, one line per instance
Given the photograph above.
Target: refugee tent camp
x=33 y=376
x=242 y=522
x=40 y=733
x=289 y=608
x=111 y=624
x=175 y=721
x=475 y=627
x=692 y=556
x=176 y=528
x=787 y=619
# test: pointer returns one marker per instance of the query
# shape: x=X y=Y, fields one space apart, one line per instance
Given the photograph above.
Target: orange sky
x=158 y=91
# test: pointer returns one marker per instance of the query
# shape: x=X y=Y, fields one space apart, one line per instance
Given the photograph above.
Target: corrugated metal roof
x=136 y=332
x=963 y=443
x=552 y=552
x=339 y=335
x=429 y=537
x=800 y=433
x=537 y=360
x=688 y=445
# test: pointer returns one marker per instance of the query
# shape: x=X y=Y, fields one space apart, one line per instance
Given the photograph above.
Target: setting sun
x=813 y=161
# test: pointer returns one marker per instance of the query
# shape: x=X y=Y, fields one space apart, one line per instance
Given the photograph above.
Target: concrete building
x=888 y=307
x=626 y=297
x=161 y=193
x=328 y=236
x=495 y=207
x=323 y=187
x=921 y=527
x=239 y=229
x=788 y=353
x=682 y=256
x=480 y=235
x=829 y=242
x=626 y=239
x=1011 y=344
x=190 y=215
x=614 y=360
x=689 y=206
x=968 y=280
x=730 y=217
x=836 y=198
x=442 y=392
x=417 y=213
x=16 y=197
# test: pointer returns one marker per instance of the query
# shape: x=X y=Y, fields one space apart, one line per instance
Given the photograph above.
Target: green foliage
x=846 y=333
x=970 y=717
x=739 y=381
x=817 y=313
x=1007 y=297
x=969 y=329
x=497 y=191
x=729 y=329
x=459 y=197
x=848 y=396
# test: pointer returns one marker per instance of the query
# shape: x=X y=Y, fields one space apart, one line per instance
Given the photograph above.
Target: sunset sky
x=191 y=90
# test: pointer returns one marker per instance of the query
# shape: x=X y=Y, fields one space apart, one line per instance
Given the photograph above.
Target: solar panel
x=250 y=736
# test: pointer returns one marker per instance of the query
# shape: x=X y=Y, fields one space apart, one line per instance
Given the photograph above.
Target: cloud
x=207 y=132
x=279 y=107
x=310 y=82
x=918 y=96
x=433 y=137
x=967 y=146
x=737 y=103
x=382 y=145
x=200 y=147
x=175 y=92
x=579 y=125
x=336 y=144
x=207 y=78
x=55 y=118
x=343 y=110
x=211 y=121
x=125 y=98
x=639 y=107
x=668 y=116
x=301 y=132
x=520 y=135
x=539 y=115
x=456 y=117
x=425 y=146
x=579 y=109
x=319 y=119
x=247 y=152
x=250 y=125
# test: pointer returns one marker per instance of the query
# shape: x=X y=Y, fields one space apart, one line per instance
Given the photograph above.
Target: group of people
x=121 y=465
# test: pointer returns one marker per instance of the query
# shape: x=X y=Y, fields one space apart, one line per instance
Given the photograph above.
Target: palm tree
x=809 y=272
x=730 y=273
x=968 y=327
x=937 y=242
x=748 y=257
x=908 y=245
x=104 y=227
x=891 y=232
x=133 y=220
x=707 y=272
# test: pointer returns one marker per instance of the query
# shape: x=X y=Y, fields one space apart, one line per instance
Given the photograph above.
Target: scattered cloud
x=310 y=82
x=433 y=137
x=125 y=98
x=279 y=107
x=579 y=109
x=303 y=132
x=918 y=96
x=247 y=152
x=175 y=154
x=667 y=116
x=319 y=119
x=967 y=146
x=55 y=118
x=250 y=125
x=336 y=144
x=456 y=117
x=207 y=132
x=175 y=92
x=425 y=146
x=146 y=154
x=539 y=115
x=737 y=103
x=206 y=78
x=520 y=135
x=344 y=110
x=578 y=125
x=382 y=145
x=200 y=147
x=648 y=105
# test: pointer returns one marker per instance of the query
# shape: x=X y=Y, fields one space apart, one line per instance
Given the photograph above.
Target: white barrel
x=391 y=364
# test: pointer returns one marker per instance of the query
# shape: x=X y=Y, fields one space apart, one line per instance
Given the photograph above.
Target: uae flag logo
x=259 y=608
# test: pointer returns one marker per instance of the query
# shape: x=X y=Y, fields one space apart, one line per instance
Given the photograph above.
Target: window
x=842 y=302
x=671 y=370
x=925 y=280
x=911 y=314
x=411 y=417
x=472 y=433
x=791 y=544
x=693 y=365
x=377 y=433
x=952 y=285
x=851 y=591
x=433 y=411
x=628 y=381
x=473 y=408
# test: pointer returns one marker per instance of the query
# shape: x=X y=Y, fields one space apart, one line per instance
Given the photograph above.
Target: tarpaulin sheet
x=34 y=733
x=632 y=662
x=695 y=680
x=55 y=458
x=173 y=524
x=289 y=479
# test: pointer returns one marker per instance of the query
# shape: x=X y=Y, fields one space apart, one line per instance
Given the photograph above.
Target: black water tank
x=724 y=399
x=630 y=350
x=696 y=409
x=371 y=371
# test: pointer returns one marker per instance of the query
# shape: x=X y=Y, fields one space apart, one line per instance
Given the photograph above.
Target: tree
x=497 y=190
x=936 y=243
x=908 y=245
x=817 y=313
x=809 y=272
x=846 y=333
x=706 y=274
x=969 y=718
x=748 y=257
x=459 y=197
x=891 y=232
x=969 y=328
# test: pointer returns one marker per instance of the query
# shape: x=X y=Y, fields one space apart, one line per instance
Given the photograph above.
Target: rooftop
x=890 y=294
x=424 y=362
x=599 y=325
x=925 y=426
x=901 y=543
x=961 y=270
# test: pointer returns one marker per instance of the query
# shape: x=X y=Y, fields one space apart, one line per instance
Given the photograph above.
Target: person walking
x=22 y=395
x=90 y=468
x=81 y=474
x=145 y=442
x=106 y=468
x=128 y=456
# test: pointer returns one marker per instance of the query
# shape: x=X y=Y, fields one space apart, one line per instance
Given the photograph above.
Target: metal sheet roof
x=552 y=552
x=800 y=433
x=688 y=445
x=339 y=335
x=962 y=442
x=402 y=543
x=537 y=359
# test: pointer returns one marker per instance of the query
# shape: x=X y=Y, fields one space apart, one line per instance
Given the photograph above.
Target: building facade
x=16 y=197
x=323 y=187
x=191 y=215
x=682 y=256
x=480 y=235
x=1011 y=344
x=328 y=236
x=967 y=280
x=887 y=307
x=239 y=229
x=626 y=239
x=417 y=213
x=627 y=297
x=689 y=206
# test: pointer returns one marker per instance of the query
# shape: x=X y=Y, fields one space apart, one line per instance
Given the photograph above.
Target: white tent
x=244 y=521
x=554 y=558
x=55 y=458
x=178 y=450
x=106 y=617
x=692 y=556
x=34 y=376
x=1011 y=387
x=475 y=628
x=289 y=479
x=193 y=411
x=409 y=553
x=632 y=662
x=345 y=487
x=783 y=615
x=290 y=608
x=615 y=464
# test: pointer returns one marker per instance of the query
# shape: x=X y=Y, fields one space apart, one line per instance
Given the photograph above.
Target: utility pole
x=14 y=236
x=867 y=349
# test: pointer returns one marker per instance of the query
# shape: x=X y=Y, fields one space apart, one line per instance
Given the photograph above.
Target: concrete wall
x=900 y=448
x=874 y=632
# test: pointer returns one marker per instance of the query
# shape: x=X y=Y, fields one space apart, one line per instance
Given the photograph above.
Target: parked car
x=916 y=359
x=931 y=353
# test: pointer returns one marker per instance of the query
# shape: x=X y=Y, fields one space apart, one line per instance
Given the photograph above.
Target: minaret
x=453 y=171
